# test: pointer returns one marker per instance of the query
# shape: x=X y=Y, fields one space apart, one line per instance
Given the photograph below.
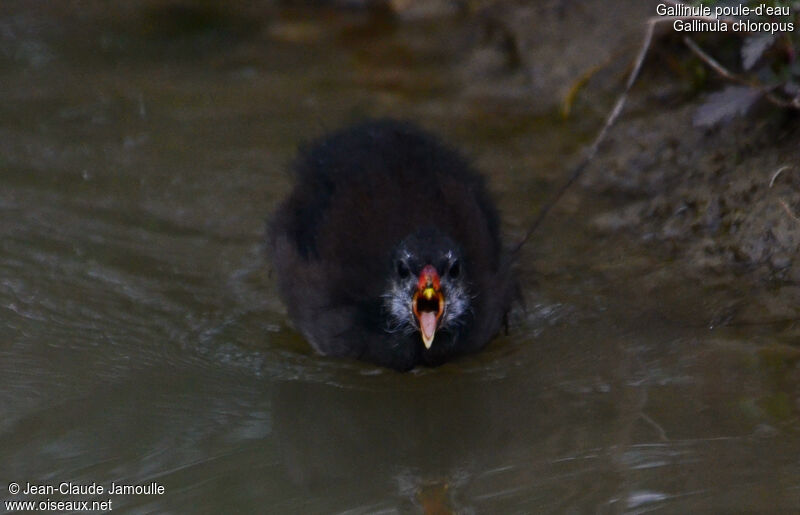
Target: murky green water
x=142 y=341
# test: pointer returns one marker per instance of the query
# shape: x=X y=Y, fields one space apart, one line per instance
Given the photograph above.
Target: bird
x=387 y=249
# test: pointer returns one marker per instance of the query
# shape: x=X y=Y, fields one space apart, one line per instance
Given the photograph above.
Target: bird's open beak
x=428 y=304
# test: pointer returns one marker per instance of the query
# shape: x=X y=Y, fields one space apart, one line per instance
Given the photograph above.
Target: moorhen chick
x=388 y=248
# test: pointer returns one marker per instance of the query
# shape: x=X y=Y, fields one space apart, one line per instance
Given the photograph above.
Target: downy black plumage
x=388 y=248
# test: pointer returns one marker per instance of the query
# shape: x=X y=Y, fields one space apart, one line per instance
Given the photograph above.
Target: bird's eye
x=455 y=269
x=402 y=269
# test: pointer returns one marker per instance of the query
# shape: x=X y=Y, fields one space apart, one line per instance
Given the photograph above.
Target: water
x=141 y=148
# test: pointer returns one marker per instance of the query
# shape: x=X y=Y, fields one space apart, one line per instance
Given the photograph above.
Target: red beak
x=428 y=304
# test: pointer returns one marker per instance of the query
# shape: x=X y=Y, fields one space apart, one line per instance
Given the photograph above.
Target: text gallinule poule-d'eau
x=388 y=248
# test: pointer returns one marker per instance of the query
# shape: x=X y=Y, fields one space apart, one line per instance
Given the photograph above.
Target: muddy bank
x=724 y=198
x=723 y=201
x=709 y=193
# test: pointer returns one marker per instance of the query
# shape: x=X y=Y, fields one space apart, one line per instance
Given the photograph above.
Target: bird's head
x=427 y=289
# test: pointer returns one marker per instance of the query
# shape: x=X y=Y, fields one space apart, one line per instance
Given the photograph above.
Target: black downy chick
x=388 y=249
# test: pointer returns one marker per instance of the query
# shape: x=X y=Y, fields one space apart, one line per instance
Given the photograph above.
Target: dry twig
x=727 y=74
x=789 y=210
x=777 y=173
x=782 y=202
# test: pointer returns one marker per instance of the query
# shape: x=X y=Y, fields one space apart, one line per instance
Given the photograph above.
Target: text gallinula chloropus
x=388 y=248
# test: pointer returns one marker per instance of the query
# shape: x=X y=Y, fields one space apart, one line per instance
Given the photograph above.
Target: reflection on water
x=140 y=149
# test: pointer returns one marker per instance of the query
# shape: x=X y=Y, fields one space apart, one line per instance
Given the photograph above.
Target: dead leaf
x=724 y=105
